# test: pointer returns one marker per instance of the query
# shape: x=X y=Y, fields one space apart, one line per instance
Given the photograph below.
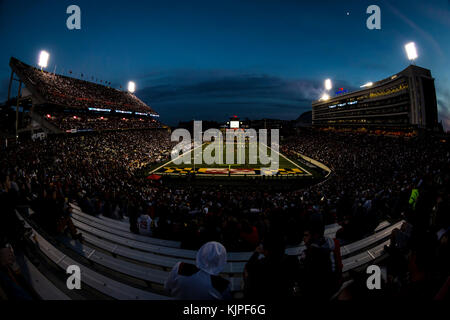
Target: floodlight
x=325 y=97
x=368 y=84
x=411 y=51
x=328 y=85
x=131 y=87
x=43 y=59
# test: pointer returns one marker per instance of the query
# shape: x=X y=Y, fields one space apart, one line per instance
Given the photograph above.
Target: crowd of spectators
x=96 y=122
x=75 y=93
x=373 y=178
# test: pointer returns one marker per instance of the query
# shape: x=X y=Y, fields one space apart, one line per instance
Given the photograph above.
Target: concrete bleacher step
x=84 y=221
x=137 y=271
x=128 y=249
x=189 y=254
x=365 y=257
x=125 y=267
x=382 y=225
x=144 y=257
x=167 y=257
x=150 y=258
x=232 y=256
x=123 y=223
x=167 y=251
x=330 y=230
x=352 y=247
x=93 y=221
x=363 y=243
x=43 y=286
x=93 y=279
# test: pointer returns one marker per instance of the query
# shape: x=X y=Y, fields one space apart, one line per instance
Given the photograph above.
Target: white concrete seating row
x=83 y=227
x=330 y=231
x=166 y=262
x=382 y=225
x=120 y=224
x=167 y=256
x=364 y=257
x=364 y=243
x=158 y=276
x=43 y=287
x=137 y=271
x=113 y=223
x=107 y=286
x=352 y=247
x=123 y=224
x=93 y=221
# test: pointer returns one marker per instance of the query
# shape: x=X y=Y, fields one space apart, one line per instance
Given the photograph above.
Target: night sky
x=208 y=60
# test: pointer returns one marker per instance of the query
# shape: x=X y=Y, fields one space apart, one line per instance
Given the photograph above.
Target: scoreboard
x=234 y=124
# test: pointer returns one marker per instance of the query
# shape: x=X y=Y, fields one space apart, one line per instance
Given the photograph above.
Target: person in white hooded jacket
x=200 y=281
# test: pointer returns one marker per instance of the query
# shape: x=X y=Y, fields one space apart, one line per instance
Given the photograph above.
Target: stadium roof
x=60 y=90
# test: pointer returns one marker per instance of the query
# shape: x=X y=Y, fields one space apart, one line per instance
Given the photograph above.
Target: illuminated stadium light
x=122 y=111
x=411 y=51
x=43 y=59
x=131 y=87
x=368 y=84
x=99 y=109
x=328 y=84
x=325 y=97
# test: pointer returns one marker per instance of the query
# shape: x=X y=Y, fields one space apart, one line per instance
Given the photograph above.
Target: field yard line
x=181 y=155
x=287 y=159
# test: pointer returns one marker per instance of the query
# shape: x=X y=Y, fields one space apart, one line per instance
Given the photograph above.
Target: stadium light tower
x=411 y=51
x=368 y=84
x=131 y=87
x=325 y=97
x=43 y=59
x=328 y=84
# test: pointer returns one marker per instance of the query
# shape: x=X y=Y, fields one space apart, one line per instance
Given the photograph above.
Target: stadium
x=90 y=183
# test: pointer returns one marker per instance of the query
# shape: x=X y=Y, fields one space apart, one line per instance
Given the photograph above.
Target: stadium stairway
x=46 y=125
x=120 y=265
x=95 y=285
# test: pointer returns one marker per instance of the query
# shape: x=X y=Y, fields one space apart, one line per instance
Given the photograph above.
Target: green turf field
x=233 y=159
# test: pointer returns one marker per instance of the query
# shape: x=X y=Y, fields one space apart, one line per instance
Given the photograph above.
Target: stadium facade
x=406 y=100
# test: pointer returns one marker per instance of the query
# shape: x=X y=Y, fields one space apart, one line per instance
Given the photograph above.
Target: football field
x=236 y=159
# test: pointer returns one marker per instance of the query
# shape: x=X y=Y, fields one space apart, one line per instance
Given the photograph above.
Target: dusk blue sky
x=209 y=60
